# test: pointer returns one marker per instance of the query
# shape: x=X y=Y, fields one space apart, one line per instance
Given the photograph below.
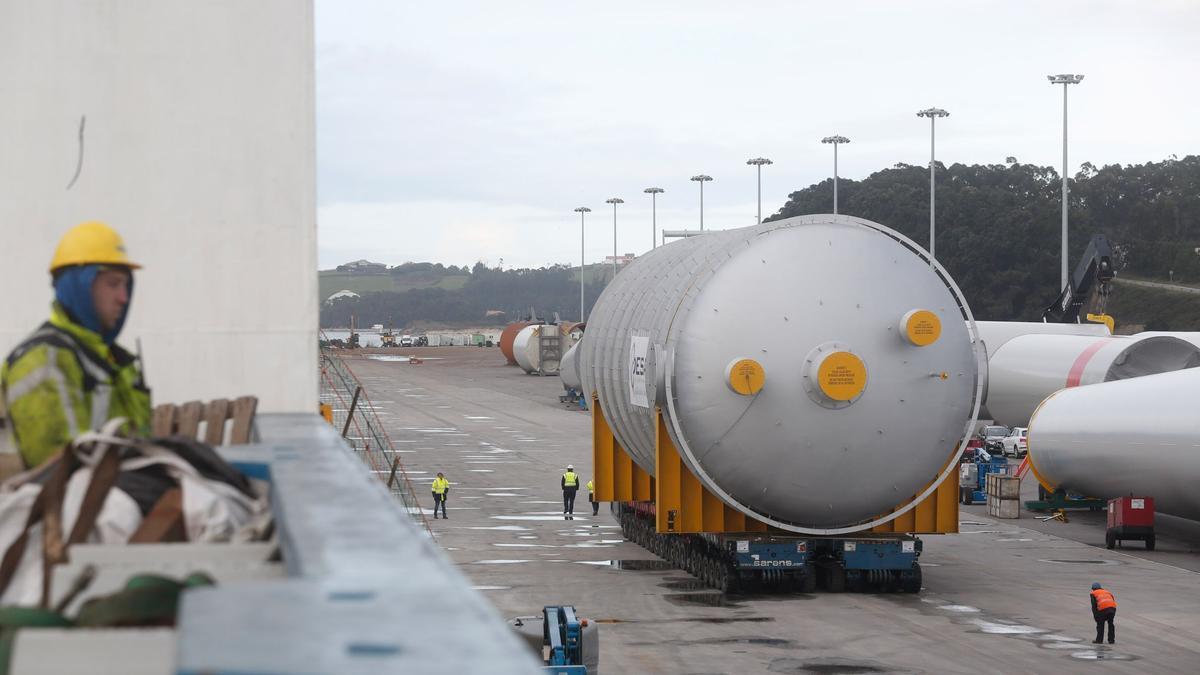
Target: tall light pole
x=932 y=114
x=1064 y=80
x=836 y=141
x=582 y=211
x=654 y=192
x=759 y=162
x=701 y=179
x=614 y=201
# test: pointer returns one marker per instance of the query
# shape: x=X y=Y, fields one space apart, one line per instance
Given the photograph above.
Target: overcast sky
x=462 y=131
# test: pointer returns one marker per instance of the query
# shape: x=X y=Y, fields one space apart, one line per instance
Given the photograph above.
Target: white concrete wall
x=199 y=147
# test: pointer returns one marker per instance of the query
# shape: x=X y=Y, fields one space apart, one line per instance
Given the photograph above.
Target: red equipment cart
x=1130 y=518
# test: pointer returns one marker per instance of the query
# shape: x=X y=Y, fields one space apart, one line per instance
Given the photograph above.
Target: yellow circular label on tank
x=746 y=376
x=842 y=376
x=922 y=327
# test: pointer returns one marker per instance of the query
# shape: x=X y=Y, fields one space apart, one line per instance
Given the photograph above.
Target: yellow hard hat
x=91 y=243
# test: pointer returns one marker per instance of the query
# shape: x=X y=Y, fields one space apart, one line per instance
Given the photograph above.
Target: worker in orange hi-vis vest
x=1104 y=610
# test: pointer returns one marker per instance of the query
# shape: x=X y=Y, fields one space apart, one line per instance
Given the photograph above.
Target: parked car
x=993 y=438
x=406 y=341
x=1016 y=443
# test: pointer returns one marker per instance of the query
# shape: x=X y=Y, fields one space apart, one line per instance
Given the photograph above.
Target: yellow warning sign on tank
x=842 y=376
x=745 y=376
x=922 y=327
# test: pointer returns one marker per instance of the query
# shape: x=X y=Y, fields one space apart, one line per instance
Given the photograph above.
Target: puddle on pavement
x=971 y=522
x=541 y=501
x=531 y=517
x=505 y=528
x=977 y=622
x=1021 y=539
x=480 y=470
x=502 y=494
x=684 y=585
x=499 y=562
x=528 y=536
x=696 y=619
x=476 y=417
x=994 y=628
x=1099 y=654
x=713 y=599
x=525 y=545
x=1081 y=562
x=830 y=666
x=631 y=565
x=491 y=588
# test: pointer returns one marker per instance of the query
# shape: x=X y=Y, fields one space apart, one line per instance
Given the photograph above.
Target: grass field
x=331 y=282
x=1156 y=309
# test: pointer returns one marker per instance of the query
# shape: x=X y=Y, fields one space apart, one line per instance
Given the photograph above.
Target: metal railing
x=354 y=416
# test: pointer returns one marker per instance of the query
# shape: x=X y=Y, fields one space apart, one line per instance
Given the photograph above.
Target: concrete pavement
x=1002 y=596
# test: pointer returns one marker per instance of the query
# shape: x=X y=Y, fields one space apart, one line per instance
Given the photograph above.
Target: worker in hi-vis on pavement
x=591 y=488
x=1104 y=610
x=70 y=375
x=570 y=485
x=441 y=490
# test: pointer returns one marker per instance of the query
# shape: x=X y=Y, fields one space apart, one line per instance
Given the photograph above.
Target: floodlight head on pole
x=654 y=192
x=1065 y=78
x=583 y=209
x=933 y=112
x=701 y=178
x=759 y=161
x=835 y=139
x=614 y=200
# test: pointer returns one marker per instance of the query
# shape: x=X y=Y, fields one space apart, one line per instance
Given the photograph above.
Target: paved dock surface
x=1003 y=596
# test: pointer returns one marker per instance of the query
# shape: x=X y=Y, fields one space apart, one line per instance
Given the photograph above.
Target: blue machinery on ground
x=972 y=477
x=741 y=561
x=573 y=397
x=562 y=636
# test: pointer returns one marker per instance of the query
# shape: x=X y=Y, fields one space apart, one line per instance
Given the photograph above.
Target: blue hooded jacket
x=73 y=290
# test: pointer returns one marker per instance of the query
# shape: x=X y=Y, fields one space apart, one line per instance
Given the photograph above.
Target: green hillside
x=332 y=281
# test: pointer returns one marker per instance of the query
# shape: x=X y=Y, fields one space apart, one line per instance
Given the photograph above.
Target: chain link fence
x=353 y=415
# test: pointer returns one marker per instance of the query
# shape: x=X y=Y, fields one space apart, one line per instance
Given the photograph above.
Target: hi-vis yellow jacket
x=64 y=380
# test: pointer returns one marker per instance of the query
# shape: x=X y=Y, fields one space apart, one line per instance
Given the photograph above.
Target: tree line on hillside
x=998 y=235
x=514 y=292
x=999 y=225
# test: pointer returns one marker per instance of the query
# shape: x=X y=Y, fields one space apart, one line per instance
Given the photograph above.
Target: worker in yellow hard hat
x=70 y=376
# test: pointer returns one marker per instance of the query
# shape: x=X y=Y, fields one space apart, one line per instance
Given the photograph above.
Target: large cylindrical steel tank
x=568 y=370
x=815 y=373
x=506 y=340
x=1029 y=368
x=1139 y=436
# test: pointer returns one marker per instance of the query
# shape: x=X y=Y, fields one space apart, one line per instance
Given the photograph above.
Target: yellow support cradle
x=684 y=506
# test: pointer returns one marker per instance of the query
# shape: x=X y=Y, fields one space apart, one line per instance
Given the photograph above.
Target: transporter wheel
x=1110 y=540
x=1150 y=542
x=912 y=582
x=808 y=583
x=837 y=579
x=723 y=578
